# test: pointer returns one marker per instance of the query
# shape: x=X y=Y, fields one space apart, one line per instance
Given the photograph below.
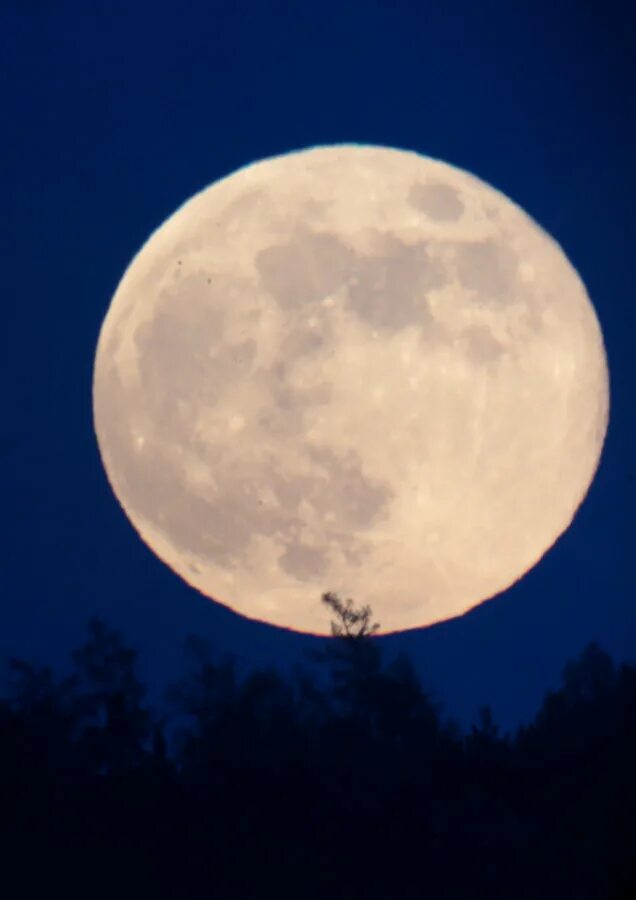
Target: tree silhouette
x=351 y=654
x=46 y=705
x=350 y=622
x=41 y=719
x=590 y=677
x=116 y=723
x=270 y=780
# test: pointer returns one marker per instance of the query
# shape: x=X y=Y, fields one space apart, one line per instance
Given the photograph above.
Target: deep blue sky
x=116 y=111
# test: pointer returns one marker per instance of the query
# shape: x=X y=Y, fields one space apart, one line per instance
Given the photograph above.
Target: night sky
x=114 y=112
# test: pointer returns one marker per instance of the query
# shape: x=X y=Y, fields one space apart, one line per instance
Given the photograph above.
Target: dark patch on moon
x=439 y=202
x=185 y=365
x=487 y=267
x=184 y=361
x=302 y=341
x=290 y=491
x=481 y=346
x=304 y=269
x=216 y=522
x=386 y=288
x=390 y=289
x=355 y=500
x=347 y=501
x=303 y=561
x=151 y=479
x=291 y=403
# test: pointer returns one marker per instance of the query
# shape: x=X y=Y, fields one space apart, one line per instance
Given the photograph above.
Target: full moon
x=355 y=369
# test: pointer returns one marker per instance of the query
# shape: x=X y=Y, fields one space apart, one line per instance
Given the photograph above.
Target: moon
x=350 y=368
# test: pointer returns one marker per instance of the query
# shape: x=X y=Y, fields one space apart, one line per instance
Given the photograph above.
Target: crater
x=438 y=202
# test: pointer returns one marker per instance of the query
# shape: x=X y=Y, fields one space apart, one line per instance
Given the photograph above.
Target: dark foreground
x=348 y=786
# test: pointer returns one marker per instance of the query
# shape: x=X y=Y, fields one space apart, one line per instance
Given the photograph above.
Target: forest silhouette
x=355 y=785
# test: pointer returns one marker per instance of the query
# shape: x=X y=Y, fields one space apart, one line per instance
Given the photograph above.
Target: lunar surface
x=356 y=369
